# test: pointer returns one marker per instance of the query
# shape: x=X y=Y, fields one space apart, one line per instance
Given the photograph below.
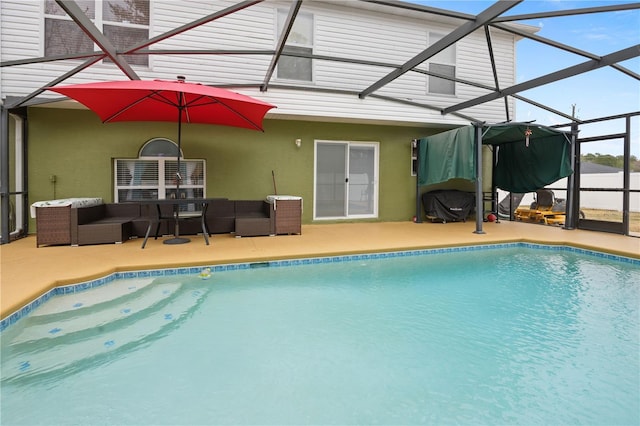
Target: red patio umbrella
x=162 y=100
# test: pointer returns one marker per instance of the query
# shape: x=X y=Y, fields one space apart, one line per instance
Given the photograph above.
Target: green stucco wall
x=78 y=149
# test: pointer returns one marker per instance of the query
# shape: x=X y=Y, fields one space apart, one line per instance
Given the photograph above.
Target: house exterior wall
x=75 y=146
x=239 y=161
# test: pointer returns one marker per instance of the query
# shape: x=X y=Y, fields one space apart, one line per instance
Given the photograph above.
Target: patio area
x=27 y=272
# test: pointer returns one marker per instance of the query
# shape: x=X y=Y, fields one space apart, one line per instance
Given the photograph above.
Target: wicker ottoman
x=104 y=232
x=253 y=226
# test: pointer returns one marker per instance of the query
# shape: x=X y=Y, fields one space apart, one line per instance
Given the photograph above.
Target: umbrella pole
x=177 y=239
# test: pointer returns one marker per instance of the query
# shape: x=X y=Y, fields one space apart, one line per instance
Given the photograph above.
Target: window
x=61 y=35
x=444 y=63
x=152 y=175
x=124 y=22
x=414 y=157
x=300 y=41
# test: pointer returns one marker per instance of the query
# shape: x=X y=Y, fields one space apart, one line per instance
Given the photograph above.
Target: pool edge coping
x=25 y=310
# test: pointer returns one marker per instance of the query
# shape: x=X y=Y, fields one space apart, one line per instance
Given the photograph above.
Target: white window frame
x=161 y=187
x=448 y=58
x=99 y=21
x=280 y=18
x=414 y=157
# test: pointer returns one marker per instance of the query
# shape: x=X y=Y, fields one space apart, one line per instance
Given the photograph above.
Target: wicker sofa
x=117 y=222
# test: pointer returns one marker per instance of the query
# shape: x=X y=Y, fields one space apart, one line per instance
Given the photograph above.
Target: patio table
x=176 y=215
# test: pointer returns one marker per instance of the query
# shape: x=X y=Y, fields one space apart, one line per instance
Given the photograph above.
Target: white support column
x=19 y=172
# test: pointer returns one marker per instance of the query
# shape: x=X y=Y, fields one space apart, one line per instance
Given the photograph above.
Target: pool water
x=500 y=336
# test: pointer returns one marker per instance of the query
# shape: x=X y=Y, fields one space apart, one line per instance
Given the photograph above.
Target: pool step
x=89 y=298
x=79 y=312
x=71 y=352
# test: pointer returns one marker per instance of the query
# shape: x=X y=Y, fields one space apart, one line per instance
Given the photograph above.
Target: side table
x=288 y=213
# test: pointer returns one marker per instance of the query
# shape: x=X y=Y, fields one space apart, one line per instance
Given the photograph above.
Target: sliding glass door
x=346 y=180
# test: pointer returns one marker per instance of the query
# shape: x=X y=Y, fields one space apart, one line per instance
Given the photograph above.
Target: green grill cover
x=447 y=155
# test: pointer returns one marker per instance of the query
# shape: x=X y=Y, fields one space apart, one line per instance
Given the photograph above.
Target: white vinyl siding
x=345 y=29
x=473 y=63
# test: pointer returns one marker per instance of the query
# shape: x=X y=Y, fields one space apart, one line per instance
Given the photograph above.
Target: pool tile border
x=74 y=288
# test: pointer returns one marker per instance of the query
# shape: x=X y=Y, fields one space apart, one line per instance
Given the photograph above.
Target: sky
x=599 y=93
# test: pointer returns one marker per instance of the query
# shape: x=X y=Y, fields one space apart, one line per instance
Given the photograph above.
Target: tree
x=612 y=161
x=133 y=11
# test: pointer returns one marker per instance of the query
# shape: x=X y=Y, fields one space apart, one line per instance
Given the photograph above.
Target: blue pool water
x=501 y=336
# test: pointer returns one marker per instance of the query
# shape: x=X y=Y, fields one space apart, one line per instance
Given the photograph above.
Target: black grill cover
x=448 y=205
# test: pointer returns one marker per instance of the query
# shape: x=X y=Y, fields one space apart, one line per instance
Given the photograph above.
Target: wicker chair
x=254 y=218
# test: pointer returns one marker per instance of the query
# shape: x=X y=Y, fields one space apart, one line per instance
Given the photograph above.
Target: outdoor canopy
x=524 y=164
x=528 y=157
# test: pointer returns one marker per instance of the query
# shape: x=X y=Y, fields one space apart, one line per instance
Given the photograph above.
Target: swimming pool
x=485 y=335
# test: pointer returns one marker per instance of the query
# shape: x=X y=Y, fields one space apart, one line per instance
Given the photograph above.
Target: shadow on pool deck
x=26 y=272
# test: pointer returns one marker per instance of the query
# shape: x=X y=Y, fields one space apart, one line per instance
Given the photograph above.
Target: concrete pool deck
x=26 y=272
